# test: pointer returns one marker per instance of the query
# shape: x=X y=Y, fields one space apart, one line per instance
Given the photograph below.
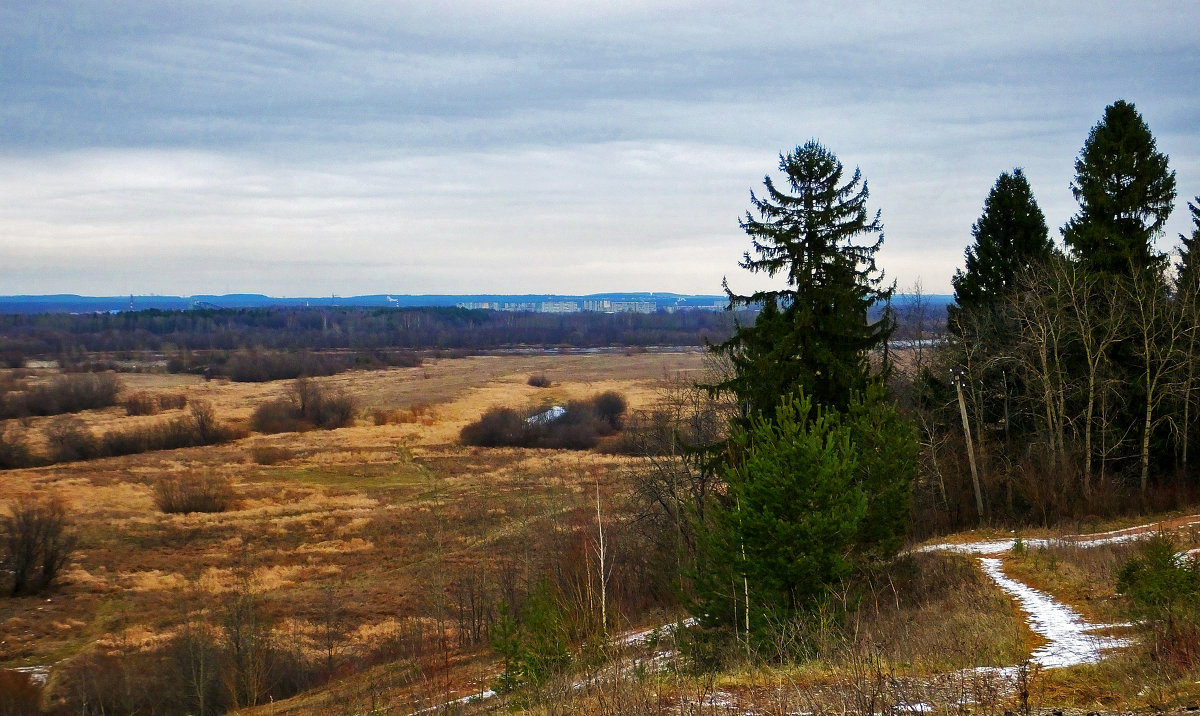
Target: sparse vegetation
x=143 y=403
x=540 y=381
x=184 y=493
x=307 y=406
x=63 y=394
x=1163 y=587
x=579 y=425
x=38 y=542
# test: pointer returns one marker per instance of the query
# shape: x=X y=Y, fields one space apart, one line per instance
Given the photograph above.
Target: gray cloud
x=194 y=147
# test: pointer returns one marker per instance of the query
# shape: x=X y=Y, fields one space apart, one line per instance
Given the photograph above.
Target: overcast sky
x=316 y=148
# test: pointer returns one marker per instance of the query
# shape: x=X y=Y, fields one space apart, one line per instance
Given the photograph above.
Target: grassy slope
x=386 y=517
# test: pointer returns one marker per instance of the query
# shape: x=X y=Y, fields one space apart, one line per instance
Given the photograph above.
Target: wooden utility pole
x=956 y=377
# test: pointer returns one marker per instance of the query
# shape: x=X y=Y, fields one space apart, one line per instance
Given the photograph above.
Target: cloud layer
x=310 y=148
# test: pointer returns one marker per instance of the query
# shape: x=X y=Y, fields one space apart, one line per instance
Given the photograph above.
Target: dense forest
x=56 y=335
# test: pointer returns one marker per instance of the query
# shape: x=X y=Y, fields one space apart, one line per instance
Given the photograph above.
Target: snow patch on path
x=1128 y=534
x=1070 y=640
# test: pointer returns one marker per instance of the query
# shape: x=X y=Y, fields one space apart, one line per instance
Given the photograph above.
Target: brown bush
x=278 y=416
x=379 y=416
x=193 y=493
x=37 y=544
x=141 y=403
x=144 y=403
x=270 y=454
x=14 y=450
x=69 y=440
x=198 y=427
x=19 y=696
x=499 y=427
x=171 y=401
x=580 y=427
x=307 y=406
x=540 y=381
x=64 y=394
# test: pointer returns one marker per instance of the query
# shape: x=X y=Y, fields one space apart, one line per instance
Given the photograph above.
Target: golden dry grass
x=383 y=515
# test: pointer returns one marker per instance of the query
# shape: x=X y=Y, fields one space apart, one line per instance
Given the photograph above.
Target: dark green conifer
x=814 y=334
x=1010 y=236
x=1125 y=192
x=1188 y=244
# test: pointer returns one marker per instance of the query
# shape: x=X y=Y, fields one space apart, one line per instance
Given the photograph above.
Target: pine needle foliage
x=1125 y=192
x=1010 y=237
x=813 y=335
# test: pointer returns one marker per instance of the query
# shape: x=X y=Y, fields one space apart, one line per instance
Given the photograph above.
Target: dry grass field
x=359 y=570
x=358 y=545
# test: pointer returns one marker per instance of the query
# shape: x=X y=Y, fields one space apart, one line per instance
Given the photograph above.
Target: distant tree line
x=359 y=329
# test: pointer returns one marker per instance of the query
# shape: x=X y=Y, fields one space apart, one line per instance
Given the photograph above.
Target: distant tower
x=131 y=301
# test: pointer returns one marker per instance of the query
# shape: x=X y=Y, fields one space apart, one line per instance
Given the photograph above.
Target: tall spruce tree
x=814 y=335
x=819 y=466
x=1010 y=236
x=1125 y=192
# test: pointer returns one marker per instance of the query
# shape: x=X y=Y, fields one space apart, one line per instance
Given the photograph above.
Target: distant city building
x=594 y=305
x=634 y=307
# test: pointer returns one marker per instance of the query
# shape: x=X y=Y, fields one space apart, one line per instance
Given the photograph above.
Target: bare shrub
x=64 y=394
x=579 y=426
x=307 y=405
x=68 y=440
x=499 y=427
x=14 y=450
x=277 y=416
x=144 y=403
x=37 y=544
x=204 y=492
x=610 y=408
x=141 y=403
x=270 y=454
x=331 y=410
x=540 y=381
x=198 y=427
x=379 y=416
x=261 y=366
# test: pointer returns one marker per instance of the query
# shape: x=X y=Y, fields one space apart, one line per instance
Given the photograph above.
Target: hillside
x=371 y=568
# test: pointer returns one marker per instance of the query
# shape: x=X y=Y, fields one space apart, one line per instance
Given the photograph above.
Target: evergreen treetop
x=1188 y=244
x=1125 y=192
x=813 y=335
x=1010 y=236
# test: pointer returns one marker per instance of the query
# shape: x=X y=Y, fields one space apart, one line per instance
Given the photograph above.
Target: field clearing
x=381 y=520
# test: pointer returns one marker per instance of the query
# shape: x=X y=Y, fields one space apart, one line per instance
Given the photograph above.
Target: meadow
x=369 y=569
x=382 y=542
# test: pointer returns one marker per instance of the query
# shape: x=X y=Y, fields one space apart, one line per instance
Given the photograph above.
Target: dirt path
x=1070 y=638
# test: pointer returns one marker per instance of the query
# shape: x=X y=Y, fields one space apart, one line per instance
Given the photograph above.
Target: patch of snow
x=1128 y=534
x=38 y=675
x=1070 y=643
x=639 y=637
x=486 y=694
x=547 y=416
